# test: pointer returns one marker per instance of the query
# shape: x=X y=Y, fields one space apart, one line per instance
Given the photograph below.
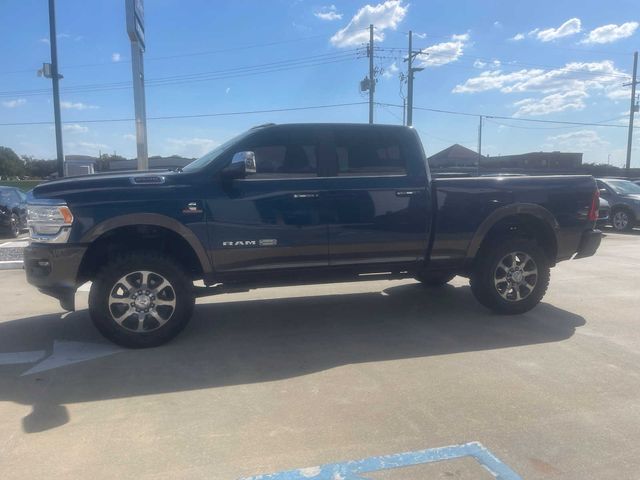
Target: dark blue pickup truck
x=294 y=204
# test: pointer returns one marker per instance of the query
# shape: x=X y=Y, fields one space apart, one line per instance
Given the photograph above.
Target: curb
x=11 y=265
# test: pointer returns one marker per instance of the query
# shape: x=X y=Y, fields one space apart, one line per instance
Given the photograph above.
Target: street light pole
x=55 y=77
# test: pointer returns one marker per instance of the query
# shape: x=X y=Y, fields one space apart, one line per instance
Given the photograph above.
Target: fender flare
x=155 y=220
x=501 y=213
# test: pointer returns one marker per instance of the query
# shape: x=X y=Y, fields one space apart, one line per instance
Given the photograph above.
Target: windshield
x=624 y=187
x=207 y=158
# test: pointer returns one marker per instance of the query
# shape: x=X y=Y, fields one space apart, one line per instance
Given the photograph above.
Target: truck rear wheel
x=141 y=300
x=510 y=276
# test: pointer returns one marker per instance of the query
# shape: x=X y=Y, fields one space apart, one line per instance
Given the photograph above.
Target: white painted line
x=67 y=353
x=21 y=357
x=15 y=244
x=11 y=265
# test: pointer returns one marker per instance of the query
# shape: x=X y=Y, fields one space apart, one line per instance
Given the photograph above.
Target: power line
x=249 y=70
x=518 y=119
x=180 y=55
x=548 y=128
x=198 y=115
x=511 y=64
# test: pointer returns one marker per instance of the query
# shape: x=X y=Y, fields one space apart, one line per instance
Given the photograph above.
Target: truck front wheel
x=141 y=300
x=510 y=276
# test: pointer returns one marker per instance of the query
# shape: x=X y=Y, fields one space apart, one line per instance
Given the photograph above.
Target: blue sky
x=562 y=61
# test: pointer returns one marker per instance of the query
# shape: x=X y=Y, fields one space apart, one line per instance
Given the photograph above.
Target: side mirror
x=242 y=164
x=604 y=191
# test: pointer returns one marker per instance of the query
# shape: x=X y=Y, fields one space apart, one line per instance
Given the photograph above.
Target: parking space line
x=353 y=469
x=21 y=357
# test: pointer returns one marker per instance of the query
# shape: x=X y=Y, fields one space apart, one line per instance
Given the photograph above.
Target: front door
x=272 y=219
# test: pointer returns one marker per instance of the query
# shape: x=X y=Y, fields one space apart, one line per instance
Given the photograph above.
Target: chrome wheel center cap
x=142 y=301
x=517 y=276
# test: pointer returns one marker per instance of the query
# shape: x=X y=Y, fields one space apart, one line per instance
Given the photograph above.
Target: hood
x=104 y=181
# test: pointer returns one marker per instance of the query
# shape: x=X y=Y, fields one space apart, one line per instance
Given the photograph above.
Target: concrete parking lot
x=283 y=378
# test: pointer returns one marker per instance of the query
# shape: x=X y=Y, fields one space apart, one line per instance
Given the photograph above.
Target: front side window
x=282 y=154
x=363 y=153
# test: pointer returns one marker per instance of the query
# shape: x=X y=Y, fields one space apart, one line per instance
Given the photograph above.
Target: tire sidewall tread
x=123 y=264
x=482 y=278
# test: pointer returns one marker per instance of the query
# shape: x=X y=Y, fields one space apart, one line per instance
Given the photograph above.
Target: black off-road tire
x=180 y=291
x=435 y=279
x=483 y=277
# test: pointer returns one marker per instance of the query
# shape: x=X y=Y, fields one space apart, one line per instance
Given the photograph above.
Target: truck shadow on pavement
x=242 y=342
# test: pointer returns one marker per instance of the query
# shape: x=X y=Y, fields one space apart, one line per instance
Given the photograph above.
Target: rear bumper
x=53 y=269
x=589 y=243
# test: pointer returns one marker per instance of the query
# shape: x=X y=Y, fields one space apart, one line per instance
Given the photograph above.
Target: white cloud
x=391 y=71
x=581 y=139
x=129 y=136
x=74 y=128
x=227 y=90
x=419 y=35
x=611 y=33
x=115 y=57
x=497 y=24
x=76 y=106
x=479 y=64
x=14 y=103
x=443 y=53
x=556 y=102
x=190 y=147
x=384 y=16
x=517 y=37
x=560 y=89
x=570 y=27
x=329 y=13
x=44 y=40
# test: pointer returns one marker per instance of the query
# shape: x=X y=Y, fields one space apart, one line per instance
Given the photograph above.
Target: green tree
x=39 y=168
x=10 y=164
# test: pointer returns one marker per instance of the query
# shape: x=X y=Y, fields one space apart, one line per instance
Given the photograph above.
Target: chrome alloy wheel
x=620 y=220
x=142 y=301
x=516 y=276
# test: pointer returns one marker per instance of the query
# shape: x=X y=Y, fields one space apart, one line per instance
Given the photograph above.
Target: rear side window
x=369 y=153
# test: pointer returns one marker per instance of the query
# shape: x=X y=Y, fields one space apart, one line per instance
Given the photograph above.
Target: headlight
x=49 y=223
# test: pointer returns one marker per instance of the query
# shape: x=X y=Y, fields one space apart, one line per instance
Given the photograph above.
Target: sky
x=518 y=60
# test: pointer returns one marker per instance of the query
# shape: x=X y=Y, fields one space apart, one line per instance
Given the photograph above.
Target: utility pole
x=55 y=77
x=372 y=80
x=410 y=71
x=632 y=110
x=479 y=144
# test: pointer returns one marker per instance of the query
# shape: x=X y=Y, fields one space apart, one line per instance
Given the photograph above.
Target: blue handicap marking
x=354 y=469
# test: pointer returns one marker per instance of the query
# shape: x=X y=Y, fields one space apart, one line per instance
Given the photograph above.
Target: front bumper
x=589 y=243
x=53 y=269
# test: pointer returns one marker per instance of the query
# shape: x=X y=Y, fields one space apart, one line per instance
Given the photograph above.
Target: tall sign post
x=135 y=30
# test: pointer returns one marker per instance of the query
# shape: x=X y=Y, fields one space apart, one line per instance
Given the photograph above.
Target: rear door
x=272 y=219
x=378 y=204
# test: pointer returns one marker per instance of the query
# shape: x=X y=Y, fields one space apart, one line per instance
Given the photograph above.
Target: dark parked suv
x=292 y=204
x=13 y=210
x=624 y=201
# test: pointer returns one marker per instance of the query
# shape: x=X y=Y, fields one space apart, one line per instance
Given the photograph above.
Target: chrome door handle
x=305 y=195
x=407 y=193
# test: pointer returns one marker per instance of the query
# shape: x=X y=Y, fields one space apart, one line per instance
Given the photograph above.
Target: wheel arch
x=104 y=237
x=533 y=219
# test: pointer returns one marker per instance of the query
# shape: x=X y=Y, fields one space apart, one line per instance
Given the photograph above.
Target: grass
x=24 y=185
